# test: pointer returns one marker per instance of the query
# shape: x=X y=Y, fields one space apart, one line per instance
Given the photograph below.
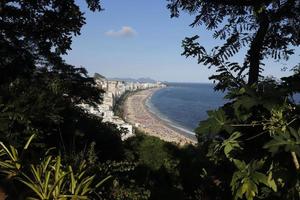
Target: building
x=113 y=90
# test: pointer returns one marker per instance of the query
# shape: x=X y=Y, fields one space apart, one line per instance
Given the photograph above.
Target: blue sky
x=137 y=38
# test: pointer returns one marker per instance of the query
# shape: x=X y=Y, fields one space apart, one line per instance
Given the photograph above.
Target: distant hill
x=146 y=80
x=98 y=76
x=140 y=80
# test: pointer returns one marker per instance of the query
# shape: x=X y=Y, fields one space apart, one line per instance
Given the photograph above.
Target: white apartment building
x=113 y=91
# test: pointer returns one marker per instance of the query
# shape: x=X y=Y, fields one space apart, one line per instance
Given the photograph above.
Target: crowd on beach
x=137 y=113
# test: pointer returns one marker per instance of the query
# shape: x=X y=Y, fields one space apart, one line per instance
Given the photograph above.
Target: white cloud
x=125 y=31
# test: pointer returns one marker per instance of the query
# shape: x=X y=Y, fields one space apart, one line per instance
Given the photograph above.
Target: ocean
x=184 y=105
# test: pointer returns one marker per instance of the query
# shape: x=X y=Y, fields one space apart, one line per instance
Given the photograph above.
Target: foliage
x=39 y=92
x=172 y=172
x=267 y=28
x=248 y=148
x=255 y=135
x=264 y=132
x=130 y=192
x=50 y=178
x=247 y=178
x=289 y=141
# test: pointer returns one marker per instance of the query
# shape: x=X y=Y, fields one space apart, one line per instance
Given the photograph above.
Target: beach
x=137 y=113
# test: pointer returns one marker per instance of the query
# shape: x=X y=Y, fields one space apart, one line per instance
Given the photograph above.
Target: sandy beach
x=136 y=112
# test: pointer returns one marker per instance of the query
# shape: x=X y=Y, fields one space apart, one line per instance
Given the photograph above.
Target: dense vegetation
x=52 y=149
x=39 y=95
x=255 y=137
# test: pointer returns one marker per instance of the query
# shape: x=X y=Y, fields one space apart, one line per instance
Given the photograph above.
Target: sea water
x=184 y=105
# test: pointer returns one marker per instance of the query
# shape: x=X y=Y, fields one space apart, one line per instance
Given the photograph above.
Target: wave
x=164 y=118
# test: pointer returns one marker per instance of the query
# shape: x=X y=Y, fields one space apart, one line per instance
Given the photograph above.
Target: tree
x=34 y=35
x=39 y=92
x=269 y=28
x=256 y=134
x=39 y=95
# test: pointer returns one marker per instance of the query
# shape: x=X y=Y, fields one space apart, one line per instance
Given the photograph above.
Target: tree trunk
x=256 y=48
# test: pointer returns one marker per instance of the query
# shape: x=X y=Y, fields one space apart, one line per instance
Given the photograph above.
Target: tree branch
x=242 y=2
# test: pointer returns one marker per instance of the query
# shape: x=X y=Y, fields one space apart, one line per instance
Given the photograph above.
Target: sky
x=137 y=38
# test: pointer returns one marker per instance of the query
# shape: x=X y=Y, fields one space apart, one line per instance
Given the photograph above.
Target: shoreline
x=138 y=113
x=168 y=122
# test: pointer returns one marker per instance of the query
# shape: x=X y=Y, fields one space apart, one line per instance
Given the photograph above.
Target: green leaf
x=29 y=141
x=231 y=144
x=239 y=164
x=216 y=122
x=288 y=141
x=34 y=188
x=271 y=182
x=246 y=179
x=8 y=152
x=242 y=90
x=249 y=188
x=103 y=181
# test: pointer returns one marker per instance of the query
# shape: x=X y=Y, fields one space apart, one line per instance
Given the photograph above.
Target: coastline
x=168 y=123
x=138 y=113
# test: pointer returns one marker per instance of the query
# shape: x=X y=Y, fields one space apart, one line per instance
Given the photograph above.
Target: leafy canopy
x=267 y=28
